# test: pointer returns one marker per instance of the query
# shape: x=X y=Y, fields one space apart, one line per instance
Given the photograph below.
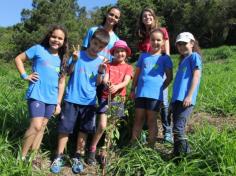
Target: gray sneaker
x=77 y=166
x=57 y=165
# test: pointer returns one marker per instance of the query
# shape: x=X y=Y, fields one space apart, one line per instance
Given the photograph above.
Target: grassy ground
x=212 y=140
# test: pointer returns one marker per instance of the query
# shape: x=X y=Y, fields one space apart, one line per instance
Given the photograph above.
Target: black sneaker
x=91 y=158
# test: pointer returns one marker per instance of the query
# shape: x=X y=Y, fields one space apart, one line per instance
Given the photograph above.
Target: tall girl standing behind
x=147 y=22
x=185 y=88
x=109 y=23
x=149 y=83
x=48 y=60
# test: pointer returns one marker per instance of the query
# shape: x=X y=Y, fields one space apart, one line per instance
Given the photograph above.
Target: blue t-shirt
x=48 y=68
x=81 y=88
x=106 y=51
x=184 y=75
x=151 y=78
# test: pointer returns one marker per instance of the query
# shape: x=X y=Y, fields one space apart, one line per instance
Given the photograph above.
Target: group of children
x=102 y=61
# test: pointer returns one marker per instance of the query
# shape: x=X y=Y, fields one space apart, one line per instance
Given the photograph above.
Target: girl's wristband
x=24 y=75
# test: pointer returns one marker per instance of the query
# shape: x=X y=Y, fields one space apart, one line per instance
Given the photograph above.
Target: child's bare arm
x=102 y=75
x=61 y=88
x=169 y=77
x=167 y=47
x=135 y=79
x=19 y=61
x=114 y=88
x=75 y=56
x=196 y=77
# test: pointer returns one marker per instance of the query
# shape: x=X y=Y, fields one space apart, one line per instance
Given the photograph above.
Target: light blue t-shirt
x=151 y=78
x=81 y=88
x=106 y=51
x=184 y=75
x=48 y=68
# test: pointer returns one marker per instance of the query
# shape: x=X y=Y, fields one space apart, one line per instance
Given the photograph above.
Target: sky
x=10 y=10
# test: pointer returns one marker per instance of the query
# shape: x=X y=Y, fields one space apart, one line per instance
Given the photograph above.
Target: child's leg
x=152 y=127
x=81 y=141
x=180 y=116
x=165 y=119
x=62 y=141
x=39 y=137
x=101 y=128
x=138 y=123
x=36 y=125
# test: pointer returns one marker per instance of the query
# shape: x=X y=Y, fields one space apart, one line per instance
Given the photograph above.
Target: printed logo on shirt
x=47 y=64
x=155 y=66
x=184 y=69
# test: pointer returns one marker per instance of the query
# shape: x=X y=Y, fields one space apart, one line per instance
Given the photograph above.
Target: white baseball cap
x=184 y=37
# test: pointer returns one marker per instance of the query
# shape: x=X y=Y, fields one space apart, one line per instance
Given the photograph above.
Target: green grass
x=213 y=152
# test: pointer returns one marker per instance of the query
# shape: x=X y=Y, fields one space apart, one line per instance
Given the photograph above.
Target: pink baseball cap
x=121 y=44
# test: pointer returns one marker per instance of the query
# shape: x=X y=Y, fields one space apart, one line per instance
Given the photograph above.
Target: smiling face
x=95 y=47
x=185 y=48
x=120 y=55
x=156 y=40
x=112 y=17
x=56 y=40
x=147 y=18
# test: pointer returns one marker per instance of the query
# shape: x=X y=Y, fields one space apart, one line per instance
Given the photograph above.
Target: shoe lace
x=76 y=161
x=57 y=162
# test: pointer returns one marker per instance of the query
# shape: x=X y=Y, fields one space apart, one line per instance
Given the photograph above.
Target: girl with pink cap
x=117 y=75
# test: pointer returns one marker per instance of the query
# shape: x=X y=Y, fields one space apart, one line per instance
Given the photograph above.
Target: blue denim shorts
x=148 y=103
x=40 y=109
x=72 y=113
x=117 y=108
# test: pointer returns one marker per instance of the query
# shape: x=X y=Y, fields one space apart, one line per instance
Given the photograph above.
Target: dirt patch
x=199 y=119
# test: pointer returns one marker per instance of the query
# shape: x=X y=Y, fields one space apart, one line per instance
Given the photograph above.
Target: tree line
x=213 y=22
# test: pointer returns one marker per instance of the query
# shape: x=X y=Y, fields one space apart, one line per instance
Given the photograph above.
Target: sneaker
x=77 y=166
x=91 y=159
x=57 y=165
x=168 y=137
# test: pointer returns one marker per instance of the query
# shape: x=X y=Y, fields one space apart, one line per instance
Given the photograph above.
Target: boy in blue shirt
x=185 y=88
x=80 y=99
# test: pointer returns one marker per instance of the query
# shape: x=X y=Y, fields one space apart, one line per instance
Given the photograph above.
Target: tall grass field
x=213 y=149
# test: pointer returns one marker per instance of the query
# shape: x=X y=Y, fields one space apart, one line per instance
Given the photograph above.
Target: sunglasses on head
x=113 y=15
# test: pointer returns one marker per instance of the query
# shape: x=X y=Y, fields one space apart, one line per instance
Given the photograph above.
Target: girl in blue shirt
x=148 y=85
x=185 y=88
x=48 y=62
x=109 y=23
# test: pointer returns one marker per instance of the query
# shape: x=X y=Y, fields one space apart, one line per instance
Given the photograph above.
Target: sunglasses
x=113 y=15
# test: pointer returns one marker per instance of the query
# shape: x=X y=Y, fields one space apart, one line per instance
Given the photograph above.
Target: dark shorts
x=86 y=115
x=40 y=109
x=147 y=103
x=117 y=108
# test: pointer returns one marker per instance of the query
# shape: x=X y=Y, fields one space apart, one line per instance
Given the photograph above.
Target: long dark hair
x=63 y=50
x=105 y=17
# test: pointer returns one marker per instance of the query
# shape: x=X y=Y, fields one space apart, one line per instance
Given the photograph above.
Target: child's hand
x=102 y=68
x=75 y=53
x=57 y=109
x=187 y=101
x=105 y=60
x=113 y=88
x=33 y=77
